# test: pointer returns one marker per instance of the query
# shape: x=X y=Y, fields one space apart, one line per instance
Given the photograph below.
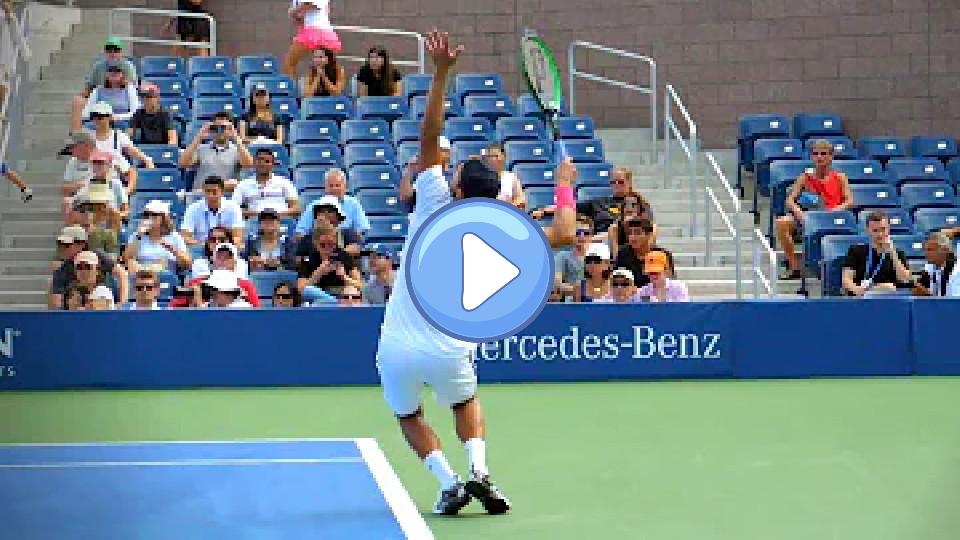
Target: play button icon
x=479 y=270
x=485 y=272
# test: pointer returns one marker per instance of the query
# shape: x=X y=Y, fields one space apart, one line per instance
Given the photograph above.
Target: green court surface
x=802 y=459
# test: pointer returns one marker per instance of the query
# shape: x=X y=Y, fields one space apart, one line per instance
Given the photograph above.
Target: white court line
x=178 y=463
x=409 y=518
x=124 y=443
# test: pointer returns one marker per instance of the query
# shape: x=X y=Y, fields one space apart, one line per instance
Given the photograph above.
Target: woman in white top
x=110 y=139
x=220 y=254
x=311 y=19
x=157 y=246
x=117 y=92
x=511 y=190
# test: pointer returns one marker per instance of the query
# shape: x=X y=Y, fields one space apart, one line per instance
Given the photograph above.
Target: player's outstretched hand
x=440 y=49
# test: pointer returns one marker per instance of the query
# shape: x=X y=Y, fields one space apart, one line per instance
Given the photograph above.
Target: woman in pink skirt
x=312 y=20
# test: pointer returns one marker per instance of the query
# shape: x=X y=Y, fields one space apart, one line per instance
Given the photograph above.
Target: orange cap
x=655 y=262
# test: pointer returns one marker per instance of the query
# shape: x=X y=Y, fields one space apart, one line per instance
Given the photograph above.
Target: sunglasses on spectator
x=820 y=153
x=583 y=232
x=352 y=297
x=217 y=239
x=98 y=116
x=325 y=245
x=592 y=260
x=149 y=215
x=142 y=288
x=84 y=267
x=112 y=49
x=620 y=284
x=618 y=182
x=283 y=296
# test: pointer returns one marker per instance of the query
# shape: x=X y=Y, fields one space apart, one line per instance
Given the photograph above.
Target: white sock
x=477 y=453
x=436 y=463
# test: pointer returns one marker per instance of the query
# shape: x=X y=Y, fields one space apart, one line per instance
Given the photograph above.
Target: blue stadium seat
x=807 y=125
x=416 y=84
x=819 y=223
x=590 y=193
x=881 y=149
x=861 y=171
x=768 y=150
x=783 y=174
x=203 y=66
x=277 y=85
x=900 y=222
x=205 y=108
x=490 y=107
x=363 y=177
x=874 y=196
x=835 y=248
x=528 y=152
x=172 y=87
x=162 y=66
x=286 y=108
x=265 y=282
x=405 y=131
x=527 y=105
x=927 y=195
x=387 y=228
x=576 y=127
x=406 y=151
x=942 y=147
x=584 y=151
x=139 y=200
x=900 y=171
x=759 y=126
x=314 y=131
x=257 y=65
x=369 y=154
x=218 y=86
x=953 y=170
x=843 y=147
x=159 y=180
x=280 y=153
x=310 y=177
x=165 y=156
x=309 y=197
x=470 y=84
x=593 y=174
x=418 y=105
x=927 y=220
x=316 y=154
x=394 y=248
x=468 y=129
x=463 y=150
x=538 y=197
x=535 y=174
x=520 y=129
x=337 y=108
x=388 y=108
x=911 y=245
x=352 y=131
x=178 y=107
x=382 y=202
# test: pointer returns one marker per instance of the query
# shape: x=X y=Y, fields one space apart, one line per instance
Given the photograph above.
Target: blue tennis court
x=310 y=488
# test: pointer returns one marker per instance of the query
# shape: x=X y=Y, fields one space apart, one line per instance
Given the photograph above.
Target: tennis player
x=412 y=353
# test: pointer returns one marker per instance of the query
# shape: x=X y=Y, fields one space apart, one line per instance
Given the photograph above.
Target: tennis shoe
x=482 y=488
x=450 y=501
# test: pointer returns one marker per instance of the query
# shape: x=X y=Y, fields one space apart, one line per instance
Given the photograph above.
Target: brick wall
x=887 y=66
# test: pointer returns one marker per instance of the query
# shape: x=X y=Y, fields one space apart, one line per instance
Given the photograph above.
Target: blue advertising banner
x=337 y=346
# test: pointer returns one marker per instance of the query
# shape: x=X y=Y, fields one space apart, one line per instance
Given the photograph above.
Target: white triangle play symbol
x=485 y=272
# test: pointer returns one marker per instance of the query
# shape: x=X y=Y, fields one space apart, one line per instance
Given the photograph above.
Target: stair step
x=26 y=254
x=51 y=227
x=25 y=268
x=30 y=298
x=47 y=241
x=25 y=213
x=24 y=283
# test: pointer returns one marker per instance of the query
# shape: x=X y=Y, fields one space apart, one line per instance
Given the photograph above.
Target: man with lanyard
x=212 y=211
x=877 y=267
x=223 y=156
x=267 y=190
x=824 y=189
x=939 y=277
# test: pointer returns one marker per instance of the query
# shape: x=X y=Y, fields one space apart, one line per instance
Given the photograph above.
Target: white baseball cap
x=444 y=143
x=157 y=207
x=599 y=250
x=331 y=200
x=224 y=281
x=625 y=273
x=101 y=107
x=229 y=247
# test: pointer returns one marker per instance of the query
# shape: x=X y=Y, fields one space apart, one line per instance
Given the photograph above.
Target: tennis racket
x=542 y=76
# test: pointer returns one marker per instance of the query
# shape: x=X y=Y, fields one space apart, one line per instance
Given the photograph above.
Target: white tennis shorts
x=404 y=372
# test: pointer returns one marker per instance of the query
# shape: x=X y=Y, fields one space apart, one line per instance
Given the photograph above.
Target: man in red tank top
x=831 y=190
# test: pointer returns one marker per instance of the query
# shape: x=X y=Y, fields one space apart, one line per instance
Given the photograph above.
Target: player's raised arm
x=444 y=57
x=563 y=231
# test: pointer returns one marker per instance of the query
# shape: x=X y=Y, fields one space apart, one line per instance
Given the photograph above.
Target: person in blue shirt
x=25 y=192
x=354 y=225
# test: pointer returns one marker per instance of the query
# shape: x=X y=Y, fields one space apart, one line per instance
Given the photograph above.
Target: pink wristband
x=563 y=197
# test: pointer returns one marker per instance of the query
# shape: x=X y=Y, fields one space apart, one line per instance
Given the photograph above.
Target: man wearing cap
x=101 y=171
x=382 y=275
x=214 y=210
x=325 y=211
x=114 y=140
x=94 y=210
x=622 y=288
x=70 y=242
x=112 y=54
x=82 y=146
x=354 y=224
x=660 y=287
x=269 y=249
x=267 y=190
x=226 y=291
x=325 y=268
x=223 y=156
x=152 y=124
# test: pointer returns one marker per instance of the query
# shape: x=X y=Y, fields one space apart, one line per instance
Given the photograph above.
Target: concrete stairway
x=670 y=198
x=64 y=42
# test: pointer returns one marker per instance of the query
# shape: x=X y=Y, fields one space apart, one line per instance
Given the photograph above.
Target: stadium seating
x=363 y=177
x=416 y=84
x=310 y=177
x=354 y=131
x=462 y=151
x=591 y=193
x=280 y=153
x=164 y=179
x=206 y=108
x=584 y=151
x=943 y=148
x=874 y=196
x=535 y=175
x=218 y=86
x=406 y=151
x=953 y=170
x=759 y=126
x=178 y=107
x=418 y=104
x=528 y=152
x=843 y=148
x=468 y=129
x=910 y=244
x=406 y=131
x=316 y=154
x=766 y=151
x=861 y=171
x=172 y=87
x=155 y=67
x=520 y=129
x=807 y=125
x=286 y=108
x=470 y=84
x=881 y=149
x=490 y=107
x=927 y=220
x=820 y=223
x=575 y=127
x=337 y=108
x=783 y=174
x=384 y=108
x=314 y=131
x=387 y=228
x=527 y=105
x=835 y=248
x=593 y=174
x=203 y=66
x=900 y=171
x=257 y=65
x=265 y=282
x=276 y=85
x=377 y=153
x=139 y=200
x=927 y=195
x=539 y=197
x=165 y=156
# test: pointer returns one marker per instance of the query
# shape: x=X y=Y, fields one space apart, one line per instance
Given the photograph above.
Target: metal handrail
x=650 y=90
x=16 y=52
x=420 y=62
x=690 y=147
x=212 y=44
x=760 y=242
x=734 y=227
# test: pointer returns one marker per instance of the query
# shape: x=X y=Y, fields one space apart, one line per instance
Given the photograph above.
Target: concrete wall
x=887 y=66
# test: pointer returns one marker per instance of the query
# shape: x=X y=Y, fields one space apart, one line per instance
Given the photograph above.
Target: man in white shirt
x=941 y=275
x=146 y=290
x=267 y=190
x=212 y=211
x=82 y=147
x=225 y=290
